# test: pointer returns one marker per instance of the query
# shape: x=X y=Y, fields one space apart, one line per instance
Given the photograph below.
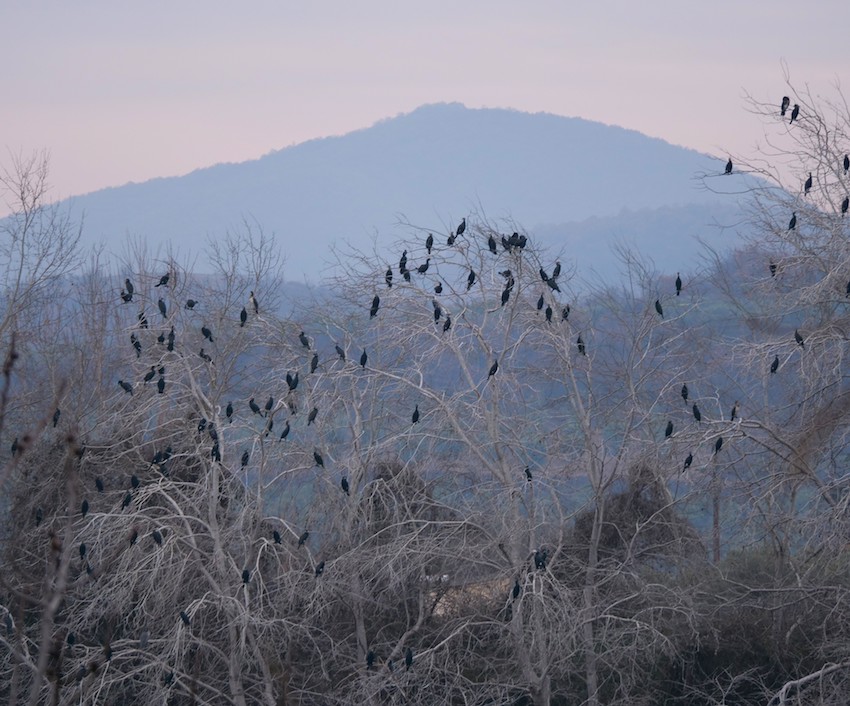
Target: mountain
x=429 y=167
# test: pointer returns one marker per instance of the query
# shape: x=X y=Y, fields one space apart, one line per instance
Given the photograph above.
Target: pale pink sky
x=120 y=92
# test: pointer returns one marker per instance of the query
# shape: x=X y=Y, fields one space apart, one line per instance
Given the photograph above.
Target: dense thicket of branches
x=458 y=474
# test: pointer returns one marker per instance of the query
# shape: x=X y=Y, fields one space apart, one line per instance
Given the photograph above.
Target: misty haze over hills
x=567 y=181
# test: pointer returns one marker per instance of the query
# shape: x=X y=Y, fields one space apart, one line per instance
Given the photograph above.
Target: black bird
x=184 y=617
x=792 y=224
x=528 y=475
x=157 y=537
x=799 y=339
x=252 y=300
x=293 y=383
x=438 y=288
x=304 y=342
x=557 y=271
x=658 y=308
x=516 y=590
x=143 y=320
x=506 y=244
x=540 y=557
x=171 y=339
x=136 y=345
x=447 y=324
x=128 y=498
x=689 y=459
x=506 y=294
x=438 y=312
x=543 y=275
x=312 y=416
x=305 y=535
x=162 y=309
x=344 y=485
x=422 y=269
x=548 y=314
x=126 y=386
x=215 y=453
x=718 y=444
x=160 y=385
x=734 y=413
x=269 y=404
x=202 y=424
x=491 y=243
x=493 y=369
x=565 y=314
x=229 y=412
x=134 y=481
x=772 y=268
x=429 y=243
x=205 y=356
x=697 y=413
x=794 y=113
x=255 y=408
x=98 y=483
x=450 y=240
x=285 y=431
x=245 y=458
x=125 y=297
x=320 y=569
x=317 y=457
x=150 y=375
x=190 y=303
x=678 y=284
x=462 y=227
x=669 y=430
x=363 y=359
x=786 y=101
x=163 y=281
x=128 y=285
x=207 y=334
x=376 y=302
x=402 y=262
x=729 y=166
x=370 y=659
x=470 y=280
x=388 y=277
x=82 y=550
x=243 y=317
x=846 y=163
x=406 y=275
x=340 y=352
x=246 y=576
x=808 y=185
x=408 y=659
x=276 y=537
x=84 y=508
x=415 y=417
x=581 y=346
x=685 y=392
x=845 y=204
x=56 y=417
x=540 y=302
x=314 y=362
x=553 y=285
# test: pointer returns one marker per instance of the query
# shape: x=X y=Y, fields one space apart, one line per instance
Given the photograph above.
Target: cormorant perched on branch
x=799 y=339
x=160 y=386
x=669 y=430
x=491 y=243
x=340 y=352
x=557 y=271
x=415 y=417
x=363 y=358
x=450 y=240
x=82 y=553
x=269 y=404
x=143 y=320
x=228 y=412
x=581 y=347
x=157 y=537
x=543 y=275
x=685 y=392
x=98 y=483
x=205 y=356
x=423 y=268
x=470 y=280
x=252 y=300
x=438 y=288
x=163 y=281
x=184 y=617
x=243 y=317
x=845 y=204
x=808 y=185
x=317 y=457
x=689 y=459
x=170 y=346
x=245 y=458
x=255 y=408
x=305 y=535
x=658 y=308
x=285 y=431
x=729 y=166
x=246 y=576
x=304 y=341
x=493 y=369
x=344 y=485
x=125 y=297
x=528 y=475
x=678 y=284
x=320 y=569
x=772 y=267
x=408 y=659
x=792 y=224
x=540 y=302
x=429 y=243
x=162 y=309
x=128 y=498
x=540 y=557
x=84 y=508
x=128 y=285
x=207 y=334
x=565 y=314
x=447 y=324
x=276 y=536
x=388 y=277
x=150 y=375
x=126 y=386
x=376 y=302
x=462 y=227
x=697 y=413
x=312 y=416
x=548 y=313
x=314 y=362
x=134 y=481
x=438 y=312
x=718 y=445
x=786 y=101
x=402 y=262
x=136 y=345
x=191 y=303
x=370 y=659
x=794 y=113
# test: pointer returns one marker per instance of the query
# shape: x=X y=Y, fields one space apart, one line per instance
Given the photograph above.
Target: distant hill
x=431 y=167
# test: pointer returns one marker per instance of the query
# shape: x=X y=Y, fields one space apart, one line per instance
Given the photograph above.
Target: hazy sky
x=122 y=92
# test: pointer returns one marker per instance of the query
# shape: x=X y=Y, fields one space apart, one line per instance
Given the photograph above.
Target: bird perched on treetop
x=376 y=302
x=808 y=185
x=794 y=113
x=786 y=101
x=243 y=317
x=678 y=284
x=493 y=369
x=658 y=308
x=252 y=300
x=729 y=166
x=462 y=227
x=415 y=417
x=163 y=281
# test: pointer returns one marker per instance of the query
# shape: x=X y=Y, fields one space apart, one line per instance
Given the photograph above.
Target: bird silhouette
x=462 y=227
x=846 y=163
x=252 y=300
x=565 y=314
x=84 y=508
x=799 y=338
x=363 y=358
x=255 y=408
x=340 y=352
x=150 y=375
x=163 y=281
x=269 y=404
x=185 y=618
x=245 y=458
x=543 y=275
x=388 y=277
x=126 y=386
x=314 y=362
x=191 y=303
x=344 y=485
x=658 y=308
x=729 y=166
x=276 y=537
x=493 y=369
x=491 y=243
x=718 y=445
x=774 y=366
x=438 y=311
x=415 y=417
x=228 y=412
x=845 y=204
x=317 y=457
x=438 y=288
x=207 y=334
x=157 y=537
x=506 y=294
x=447 y=324
x=285 y=431
x=689 y=459
x=678 y=284
x=162 y=309
x=134 y=481
x=734 y=413
x=246 y=576
x=548 y=314
x=792 y=224
x=408 y=659
x=557 y=271
x=581 y=346
x=685 y=392
x=143 y=320
x=669 y=430
x=807 y=185
x=470 y=280
x=98 y=483
x=697 y=413
x=423 y=268
x=772 y=268
x=304 y=341
x=305 y=535
x=370 y=659
x=243 y=317
x=128 y=285
x=794 y=113
x=312 y=416
x=376 y=302
x=429 y=243
x=128 y=498
x=160 y=386
x=320 y=569
x=528 y=475
x=540 y=302
x=137 y=346
x=786 y=101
